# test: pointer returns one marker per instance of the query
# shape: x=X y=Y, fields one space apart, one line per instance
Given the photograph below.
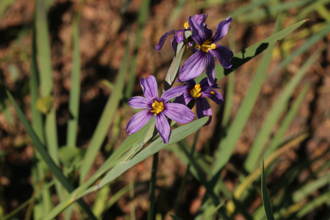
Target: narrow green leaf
x=176 y=135
x=274 y=114
x=271 y=10
x=75 y=88
x=106 y=118
x=44 y=202
x=227 y=144
x=247 y=54
x=123 y=165
x=143 y=14
x=152 y=187
x=173 y=70
x=310 y=42
x=275 y=142
x=309 y=188
x=46 y=85
x=265 y=197
x=312 y=205
x=43 y=47
x=46 y=157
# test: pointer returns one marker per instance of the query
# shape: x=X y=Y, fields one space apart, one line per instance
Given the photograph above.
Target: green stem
x=152 y=187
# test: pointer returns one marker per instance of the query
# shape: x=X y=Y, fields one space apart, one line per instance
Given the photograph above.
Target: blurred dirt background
x=104 y=28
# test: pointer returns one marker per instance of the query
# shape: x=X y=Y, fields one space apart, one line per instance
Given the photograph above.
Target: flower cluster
x=202 y=44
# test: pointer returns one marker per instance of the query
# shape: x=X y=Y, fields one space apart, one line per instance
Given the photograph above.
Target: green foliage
x=70 y=166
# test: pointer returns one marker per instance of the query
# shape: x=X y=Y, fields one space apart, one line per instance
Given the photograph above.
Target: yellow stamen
x=157 y=107
x=196 y=91
x=186 y=25
x=206 y=46
x=212 y=92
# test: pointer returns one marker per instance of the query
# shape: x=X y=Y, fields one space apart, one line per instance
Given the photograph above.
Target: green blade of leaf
x=275 y=113
x=46 y=157
x=265 y=196
x=310 y=42
x=227 y=144
x=143 y=14
x=309 y=188
x=75 y=88
x=122 y=166
x=45 y=204
x=106 y=118
x=271 y=10
x=286 y=122
x=176 y=135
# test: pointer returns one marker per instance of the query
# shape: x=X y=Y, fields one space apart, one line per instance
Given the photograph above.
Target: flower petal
x=163 y=127
x=193 y=67
x=216 y=96
x=139 y=102
x=199 y=32
x=223 y=54
x=174 y=44
x=210 y=69
x=149 y=87
x=163 y=39
x=185 y=98
x=179 y=36
x=222 y=29
x=172 y=93
x=203 y=109
x=138 y=121
x=178 y=112
x=199 y=18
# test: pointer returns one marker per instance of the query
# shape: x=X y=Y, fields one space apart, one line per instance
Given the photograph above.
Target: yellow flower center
x=157 y=107
x=206 y=46
x=196 y=91
x=186 y=25
x=212 y=92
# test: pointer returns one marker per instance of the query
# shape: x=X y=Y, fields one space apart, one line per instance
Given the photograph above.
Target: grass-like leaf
x=274 y=114
x=46 y=157
x=121 y=166
x=75 y=88
x=265 y=196
x=106 y=118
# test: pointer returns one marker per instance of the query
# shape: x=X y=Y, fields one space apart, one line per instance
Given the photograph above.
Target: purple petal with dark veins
x=178 y=112
x=222 y=29
x=210 y=69
x=139 y=102
x=223 y=54
x=203 y=109
x=163 y=39
x=149 y=87
x=199 y=18
x=138 y=121
x=193 y=67
x=172 y=93
x=199 y=32
x=163 y=127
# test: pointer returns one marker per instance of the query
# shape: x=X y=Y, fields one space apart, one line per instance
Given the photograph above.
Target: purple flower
x=199 y=92
x=206 y=51
x=158 y=107
x=179 y=35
